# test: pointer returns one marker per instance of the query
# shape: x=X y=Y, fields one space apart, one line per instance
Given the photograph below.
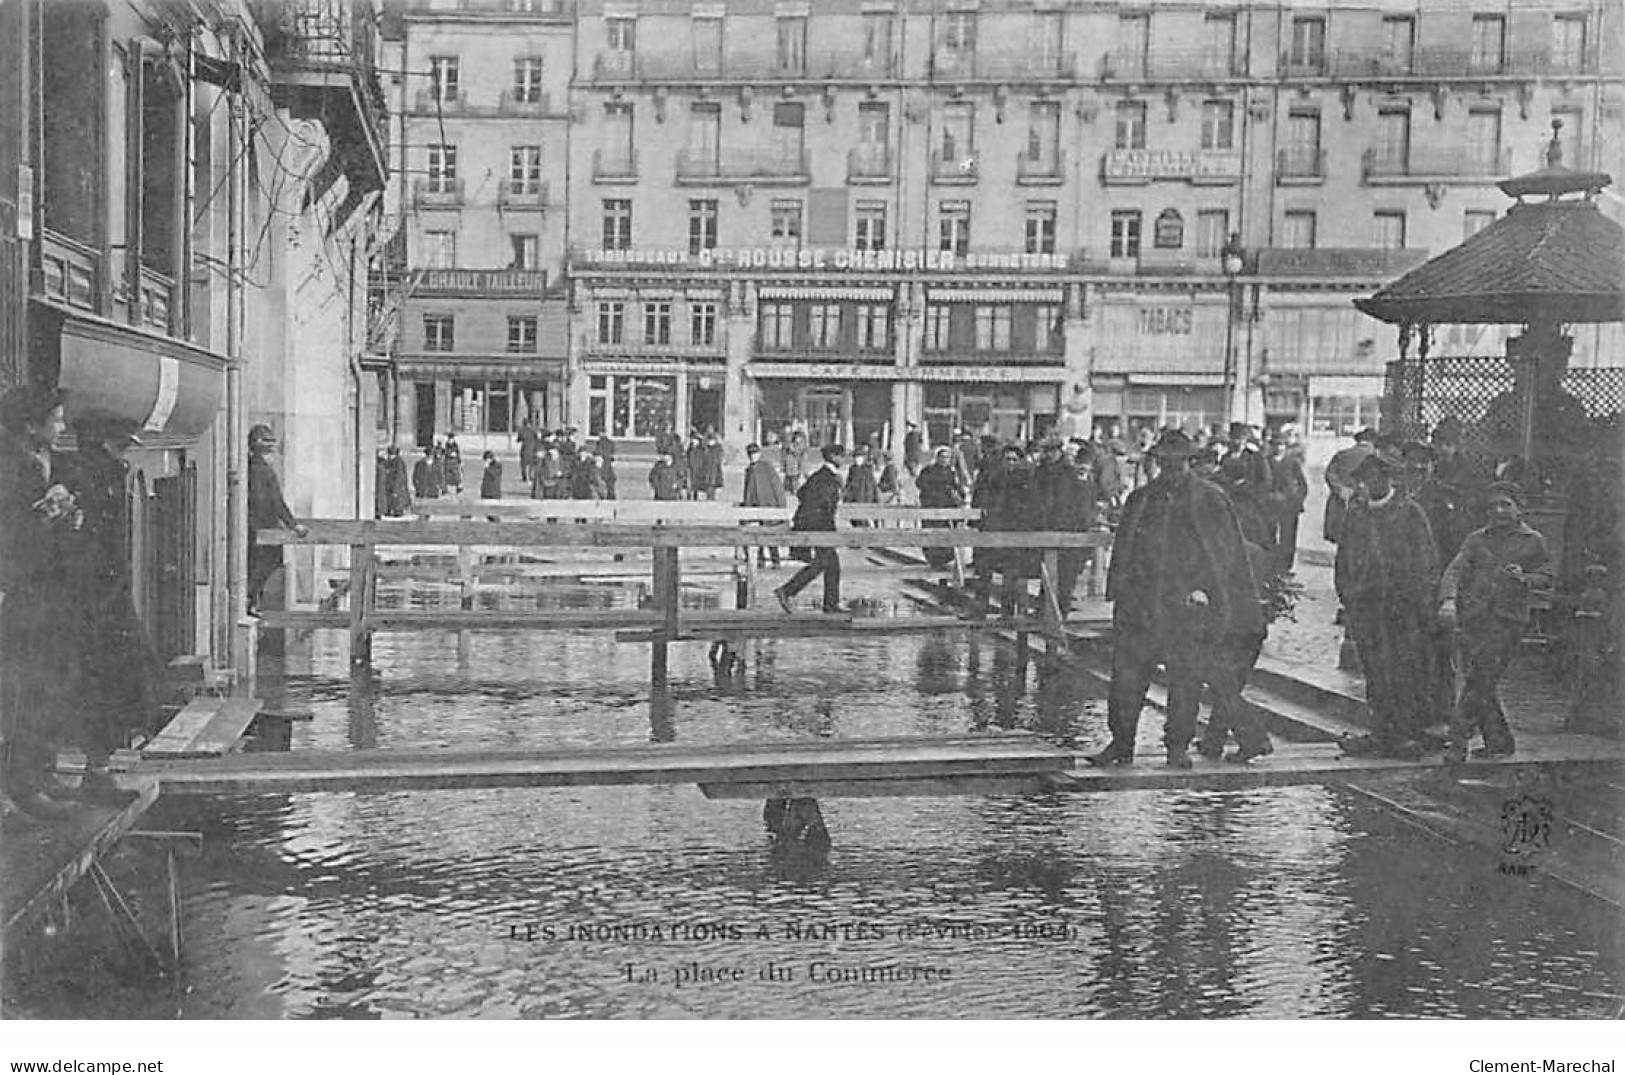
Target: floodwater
x=653 y=901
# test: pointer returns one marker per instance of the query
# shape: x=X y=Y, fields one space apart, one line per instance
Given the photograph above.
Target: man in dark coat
x=664 y=480
x=1244 y=475
x=938 y=486
x=1340 y=481
x=1290 y=490
x=1066 y=497
x=451 y=467
x=266 y=511
x=586 y=478
x=426 y=475
x=1010 y=505
x=1386 y=574
x=394 y=485
x=606 y=464
x=763 y=489
x=816 y=504
x=1485 y=590
x=1180 y=584
x=491 y=478
x=529 y=440
x=705 y=466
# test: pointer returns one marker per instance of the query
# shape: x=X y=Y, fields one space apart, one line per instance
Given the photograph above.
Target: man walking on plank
x=816 y=502
x=1181 y=586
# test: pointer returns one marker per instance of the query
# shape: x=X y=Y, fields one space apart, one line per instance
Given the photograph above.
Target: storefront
x=826 y=412
x=645 y=399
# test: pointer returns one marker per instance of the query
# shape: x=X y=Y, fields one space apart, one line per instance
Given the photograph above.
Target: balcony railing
x=512 y=103
x=852 y=64
x=1128 y=65
x=523 y=196
x=958 y=168
x=616 y=65
x=1453 y=63
x=1378 y=164
x=1304 y=64
x=432 y=102
x=428 y=194
x=757 y=165
x=1001 y=65
x=1045 y=169
x=1301 y=163
x=845 y=353
x=614 y=165
x=869 y=163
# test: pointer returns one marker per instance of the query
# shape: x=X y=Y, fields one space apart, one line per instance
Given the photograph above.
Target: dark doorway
x=425 y=407
x=705 y=409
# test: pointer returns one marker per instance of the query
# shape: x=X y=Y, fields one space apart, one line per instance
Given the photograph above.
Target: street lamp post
x=1233 y=260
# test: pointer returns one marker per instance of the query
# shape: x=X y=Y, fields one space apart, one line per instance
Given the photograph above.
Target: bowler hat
x=1173 y=444
x=1374 y=461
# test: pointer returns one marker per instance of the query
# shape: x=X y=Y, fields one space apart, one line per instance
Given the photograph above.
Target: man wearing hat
x=816 y=503
x=1485 y=593
x=938 y=484
x=1066 y=501
x=1181 y=587
x=763 y=489
x=1340 y=481
x=266 y=511
x=1244 y=474
x=1386 y=575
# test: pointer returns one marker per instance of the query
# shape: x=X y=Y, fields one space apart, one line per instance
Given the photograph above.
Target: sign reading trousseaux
x=908 y=260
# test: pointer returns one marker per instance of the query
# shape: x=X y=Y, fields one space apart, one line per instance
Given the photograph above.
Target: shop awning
x=995 y=294
x=853 y=294
x=1177 y=380
x=171 y=389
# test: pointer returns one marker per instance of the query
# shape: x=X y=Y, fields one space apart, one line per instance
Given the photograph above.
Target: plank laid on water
x=466 y=620
x=903 y=758
x=521 y=534
x=702 y=626
x=176 y=737
x=1322 y=763
x=40 y=862
x=224 y=733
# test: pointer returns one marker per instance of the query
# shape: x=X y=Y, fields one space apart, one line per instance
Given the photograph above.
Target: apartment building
x=850 y=215
x=186 y=194
x=482 y=91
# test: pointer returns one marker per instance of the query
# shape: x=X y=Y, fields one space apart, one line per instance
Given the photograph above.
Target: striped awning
x=995 y=294
x=856 y=294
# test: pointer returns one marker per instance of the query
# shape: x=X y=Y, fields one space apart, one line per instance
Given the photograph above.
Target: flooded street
x=653 y=901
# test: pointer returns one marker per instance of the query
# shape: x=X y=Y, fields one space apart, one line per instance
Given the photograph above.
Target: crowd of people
x=76 y=667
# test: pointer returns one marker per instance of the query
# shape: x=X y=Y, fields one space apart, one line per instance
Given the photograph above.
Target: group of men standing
x=556 y=465
x=1432 y=565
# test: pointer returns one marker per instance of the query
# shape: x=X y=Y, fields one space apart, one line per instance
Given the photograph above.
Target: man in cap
x=938 y=483
x=1485 y=592
x=816 y=504
x=1290 y=490
x=1244 y=475
x=763 y=489
x=1340 y=481
x=1066 y=501
x=266 y=511
x=1386 y=575
x=1180 y=585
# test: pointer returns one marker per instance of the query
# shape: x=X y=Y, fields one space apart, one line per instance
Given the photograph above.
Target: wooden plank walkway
x=940 y=759
x=40 y=861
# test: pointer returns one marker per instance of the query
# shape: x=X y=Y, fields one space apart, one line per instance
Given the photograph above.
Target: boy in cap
x=1485 y=594
x=1386 y=573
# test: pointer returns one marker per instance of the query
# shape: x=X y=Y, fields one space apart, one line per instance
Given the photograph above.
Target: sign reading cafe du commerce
x=911 y=260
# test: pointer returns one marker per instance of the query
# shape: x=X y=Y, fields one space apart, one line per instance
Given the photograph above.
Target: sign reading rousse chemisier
x=909 y=260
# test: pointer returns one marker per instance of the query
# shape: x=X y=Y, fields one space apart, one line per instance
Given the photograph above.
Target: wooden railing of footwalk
x=666 y=621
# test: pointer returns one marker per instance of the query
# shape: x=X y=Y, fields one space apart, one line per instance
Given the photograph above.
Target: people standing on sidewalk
x=794 y=466
x=763 y=489
x=553 y=473
x=1387 y=574
x=862 y=486
x=530 y=439
x=1180 y=584
x=1245 y=477
x=451 y=467
x=267 y=510
x=705 y=465
x=1485 y=594
x=816 y=503
x=394 y=485
x=491 y=477
x=426 y=475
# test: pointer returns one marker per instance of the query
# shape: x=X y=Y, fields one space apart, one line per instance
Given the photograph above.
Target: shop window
x=992 y=328
x=937 y=323
x=824 y=326
x=1046 y=328
x=657 y=322
x=874 y=328
x=611 y=322
x=522 y=335
x=702 y=324
x=1343 y=416
x=777 y=320
x=439 y=332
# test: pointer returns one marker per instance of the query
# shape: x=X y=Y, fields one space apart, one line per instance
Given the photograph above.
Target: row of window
x=524 y=169
x=657 y=322
x=1131 y=52
x=440 y=334
x=445 y=80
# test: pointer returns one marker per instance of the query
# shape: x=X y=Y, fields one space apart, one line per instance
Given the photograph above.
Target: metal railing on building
x=756 y=164
x=1046 y=168
x=430 y=193
x=869 y=163
x=522 y=195
x=1379 y=163
x=1129 y=65
x=614 y=165
x=954 y=168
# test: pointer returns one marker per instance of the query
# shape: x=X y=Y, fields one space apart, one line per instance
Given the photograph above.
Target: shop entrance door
x=823 y=412
x=705 y=408
x=424 y=394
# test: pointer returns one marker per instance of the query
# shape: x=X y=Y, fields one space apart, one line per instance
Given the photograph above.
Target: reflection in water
x=1275 y=902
